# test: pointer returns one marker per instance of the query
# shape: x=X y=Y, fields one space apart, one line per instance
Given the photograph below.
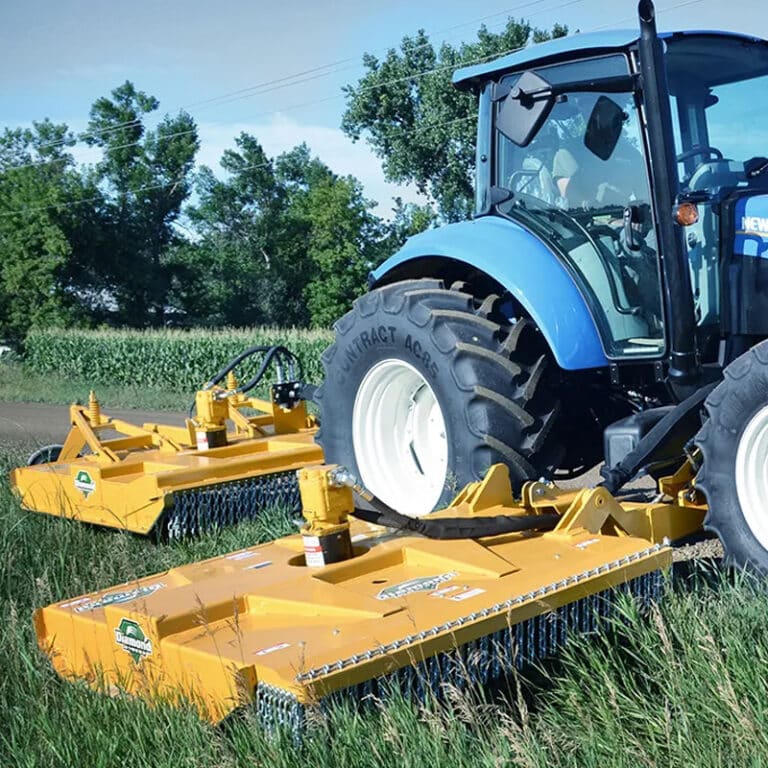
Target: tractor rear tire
x=426 y=387
x=734 y=472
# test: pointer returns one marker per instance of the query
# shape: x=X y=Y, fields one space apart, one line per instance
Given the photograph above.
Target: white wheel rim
x=752 y=475
x=398 y=434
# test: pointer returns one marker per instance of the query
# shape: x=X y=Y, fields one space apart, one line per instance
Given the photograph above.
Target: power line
x=632 y=18
x=246 y=92
x=292 y=107
x=314 y=102
x=378 y=85
x=355 y=59
x=290 y=80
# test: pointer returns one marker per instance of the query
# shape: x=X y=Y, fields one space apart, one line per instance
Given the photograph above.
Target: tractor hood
x=751 y=226
x=746 y=254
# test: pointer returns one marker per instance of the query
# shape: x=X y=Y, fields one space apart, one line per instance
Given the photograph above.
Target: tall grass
x=172 y=359
x=687 y=686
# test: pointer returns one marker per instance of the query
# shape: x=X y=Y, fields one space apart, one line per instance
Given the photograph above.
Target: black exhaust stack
x=684 y=368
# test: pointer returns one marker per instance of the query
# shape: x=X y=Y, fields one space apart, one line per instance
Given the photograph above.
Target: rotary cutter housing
x=346 y=607
x=235 y=456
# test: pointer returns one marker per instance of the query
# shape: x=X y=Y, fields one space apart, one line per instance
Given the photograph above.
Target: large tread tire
x=491 y=379
x=730 y=408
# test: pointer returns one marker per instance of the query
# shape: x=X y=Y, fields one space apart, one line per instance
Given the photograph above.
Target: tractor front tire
x=734 y=471
x=426 y=387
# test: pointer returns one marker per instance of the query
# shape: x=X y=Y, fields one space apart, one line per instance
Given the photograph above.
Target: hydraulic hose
x=444 y=527
x=284 y=356
x=279 y=354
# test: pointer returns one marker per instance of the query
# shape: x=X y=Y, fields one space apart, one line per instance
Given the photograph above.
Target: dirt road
x=31 y=425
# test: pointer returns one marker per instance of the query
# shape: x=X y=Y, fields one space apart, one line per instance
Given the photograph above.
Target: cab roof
x=562 y=48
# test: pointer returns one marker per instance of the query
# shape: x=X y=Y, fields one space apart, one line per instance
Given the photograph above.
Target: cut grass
x=688 y=686
x=19 y=383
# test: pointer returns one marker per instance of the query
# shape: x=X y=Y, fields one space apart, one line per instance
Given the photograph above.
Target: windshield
x=573 y=195
x=719 y=115
x=716 y=86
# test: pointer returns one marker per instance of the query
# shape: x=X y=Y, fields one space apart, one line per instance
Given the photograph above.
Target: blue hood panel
x=751 y=227
x=528 y=270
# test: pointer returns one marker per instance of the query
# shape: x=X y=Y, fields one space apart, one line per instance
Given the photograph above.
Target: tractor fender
x=525 y=267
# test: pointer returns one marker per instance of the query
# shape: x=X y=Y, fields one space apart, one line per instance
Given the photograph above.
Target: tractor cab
x=565 y=151
x=615 y=273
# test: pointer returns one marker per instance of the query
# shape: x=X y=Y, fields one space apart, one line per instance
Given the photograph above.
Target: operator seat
x=535 y=179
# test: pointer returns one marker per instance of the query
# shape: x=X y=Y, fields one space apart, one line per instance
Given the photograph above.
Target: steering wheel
x=702 y=150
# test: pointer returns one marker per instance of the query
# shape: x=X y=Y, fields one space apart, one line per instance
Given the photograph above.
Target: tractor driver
x=592 y=184
x=584 y=184
x=587 y=178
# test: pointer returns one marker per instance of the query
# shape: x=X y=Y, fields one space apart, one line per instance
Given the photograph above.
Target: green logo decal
x=131 y=638
x=424 y=584
x=84 y=483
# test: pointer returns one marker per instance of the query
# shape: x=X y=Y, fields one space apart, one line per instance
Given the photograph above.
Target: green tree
x=283 y=241
x=337 y=230
x=408 y=219
x=417 y=123
x=147 y=177
x=43 y=243
x=245 y=265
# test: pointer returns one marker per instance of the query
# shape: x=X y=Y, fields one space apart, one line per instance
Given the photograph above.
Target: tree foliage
x=148 y=177
x=282 y=240
x=236 y=271
x=42 y=241
x=141 y=238
x=417 y=123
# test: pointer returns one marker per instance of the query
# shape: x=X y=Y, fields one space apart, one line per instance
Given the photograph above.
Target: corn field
x=170 y=359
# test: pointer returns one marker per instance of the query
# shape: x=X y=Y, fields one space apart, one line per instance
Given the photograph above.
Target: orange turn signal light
x=686 y=214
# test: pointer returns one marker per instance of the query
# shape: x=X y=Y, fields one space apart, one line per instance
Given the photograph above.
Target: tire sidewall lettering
x=378 y=341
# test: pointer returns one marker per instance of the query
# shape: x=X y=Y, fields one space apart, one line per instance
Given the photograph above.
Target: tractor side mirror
x=604 y=127
x=525 y=109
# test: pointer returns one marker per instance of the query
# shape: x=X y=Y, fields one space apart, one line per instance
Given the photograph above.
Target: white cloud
x=281 y=133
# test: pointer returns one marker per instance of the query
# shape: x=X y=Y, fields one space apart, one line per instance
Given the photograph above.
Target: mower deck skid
x=260 y=625
x=121 y=475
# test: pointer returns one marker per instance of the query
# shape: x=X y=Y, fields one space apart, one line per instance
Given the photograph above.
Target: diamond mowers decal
x=115 y=598
x=131 y=638
x=423 y=584
x=84 y=483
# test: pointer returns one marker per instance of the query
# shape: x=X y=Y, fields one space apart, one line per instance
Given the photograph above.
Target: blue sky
x=57 y=57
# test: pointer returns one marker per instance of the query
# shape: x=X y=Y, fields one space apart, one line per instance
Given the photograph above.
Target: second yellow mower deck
x=120 y=475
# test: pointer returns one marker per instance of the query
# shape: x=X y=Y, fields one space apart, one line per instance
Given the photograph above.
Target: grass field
x=688 y=686
x=20 y=383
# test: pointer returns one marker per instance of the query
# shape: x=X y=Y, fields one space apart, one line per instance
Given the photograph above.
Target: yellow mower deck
x=258 y=624
x=121 y=475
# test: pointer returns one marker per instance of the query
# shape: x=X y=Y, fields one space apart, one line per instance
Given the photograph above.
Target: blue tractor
x=607 y=302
